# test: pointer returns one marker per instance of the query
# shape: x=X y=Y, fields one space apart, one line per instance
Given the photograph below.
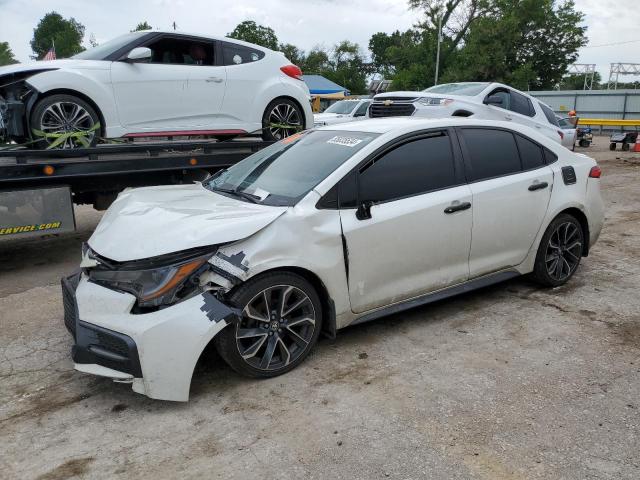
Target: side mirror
x=139 y=54
x=364 y=210
x=496 y=100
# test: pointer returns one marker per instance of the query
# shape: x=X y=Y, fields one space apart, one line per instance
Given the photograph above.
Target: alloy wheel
x=283 y=121
x=67 y=117
x=276 y=327
x=563 y=251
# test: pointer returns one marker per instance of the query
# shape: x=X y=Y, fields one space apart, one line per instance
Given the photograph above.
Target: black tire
x=612 y=146
x=289 y=113
x=555 y=263
x=277 y=331
x=625 y=147
x=584 y=143
x=43 y=119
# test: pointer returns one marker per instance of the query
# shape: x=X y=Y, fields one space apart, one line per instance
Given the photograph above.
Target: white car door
x=412 y=231
x=156 y=96
x=511 y=187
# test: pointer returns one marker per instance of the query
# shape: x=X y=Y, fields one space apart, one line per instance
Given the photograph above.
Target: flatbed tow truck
x=38 y=188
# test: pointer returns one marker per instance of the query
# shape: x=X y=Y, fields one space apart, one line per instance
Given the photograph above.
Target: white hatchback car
x=324 y=229
x=151 y=83
x=343 y=111
x=489 y=101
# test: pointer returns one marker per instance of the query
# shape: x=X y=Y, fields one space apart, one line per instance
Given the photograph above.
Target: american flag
x=51 y=54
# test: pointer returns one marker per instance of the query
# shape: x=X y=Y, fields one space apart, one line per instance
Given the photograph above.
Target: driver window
x=361 y=111
x=178 y=51
x=506 y=103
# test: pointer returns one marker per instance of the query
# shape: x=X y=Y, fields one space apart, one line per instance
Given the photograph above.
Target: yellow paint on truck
x=30 y=228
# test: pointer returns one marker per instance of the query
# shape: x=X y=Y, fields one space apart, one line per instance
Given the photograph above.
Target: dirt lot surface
x=509 y=382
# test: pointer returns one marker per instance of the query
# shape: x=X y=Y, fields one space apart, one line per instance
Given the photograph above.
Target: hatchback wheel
x=560 y=251
x=281 y=119
x=64 y=121
x=281 y=321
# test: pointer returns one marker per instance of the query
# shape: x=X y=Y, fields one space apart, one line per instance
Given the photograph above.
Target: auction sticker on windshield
x=345 y=141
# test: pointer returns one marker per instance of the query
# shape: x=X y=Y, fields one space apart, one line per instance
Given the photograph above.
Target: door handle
x=508 y=118
x=538 y=186
x=214 y=79
x=458 y=207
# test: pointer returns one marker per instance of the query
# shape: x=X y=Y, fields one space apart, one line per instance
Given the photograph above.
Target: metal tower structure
x=618 y=69
x=586 y=69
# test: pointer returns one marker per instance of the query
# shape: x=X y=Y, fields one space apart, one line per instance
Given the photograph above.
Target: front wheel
x=281 y=119
x=560 y=251
x=64 y=121
x=280 y=323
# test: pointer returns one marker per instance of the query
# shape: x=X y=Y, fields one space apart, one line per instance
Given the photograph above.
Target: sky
x=305 y=23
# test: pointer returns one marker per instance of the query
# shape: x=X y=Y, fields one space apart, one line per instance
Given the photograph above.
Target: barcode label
x=345 y=141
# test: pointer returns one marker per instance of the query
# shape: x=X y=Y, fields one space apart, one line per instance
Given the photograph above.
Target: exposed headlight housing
x=154 y=282
x=433 y=101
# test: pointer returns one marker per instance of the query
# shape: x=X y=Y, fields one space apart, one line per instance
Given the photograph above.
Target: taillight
x=293 y=71
x=595 y=172
x=561 y=134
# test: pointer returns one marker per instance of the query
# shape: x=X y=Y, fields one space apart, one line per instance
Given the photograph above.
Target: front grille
x=395 y=109
x=69 y=303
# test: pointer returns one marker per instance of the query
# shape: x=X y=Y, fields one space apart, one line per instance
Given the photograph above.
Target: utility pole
x=438 y=49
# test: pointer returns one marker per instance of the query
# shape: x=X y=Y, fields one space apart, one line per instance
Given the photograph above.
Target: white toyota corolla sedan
x=152 y=83
x=325 y=229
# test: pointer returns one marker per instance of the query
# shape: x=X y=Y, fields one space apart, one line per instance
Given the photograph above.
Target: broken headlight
x=153 y=283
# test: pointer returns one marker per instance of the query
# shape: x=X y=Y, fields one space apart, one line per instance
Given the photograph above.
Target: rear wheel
x=281 y=119
x=584 y=143
x=560 y=251
x=625 y=147
x=64 y=121
x=612 y=146
x=280 y=324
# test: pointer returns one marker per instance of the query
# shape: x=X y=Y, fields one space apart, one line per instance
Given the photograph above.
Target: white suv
x=329 y=228
x=490 y=101
x=151 y=83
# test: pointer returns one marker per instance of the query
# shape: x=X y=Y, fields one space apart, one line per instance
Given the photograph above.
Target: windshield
x=102 y=51
x=343 y=107
x=284 y=172
x=467 y=89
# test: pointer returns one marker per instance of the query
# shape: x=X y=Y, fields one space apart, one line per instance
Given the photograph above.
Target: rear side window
x=362 y=109
x=491 y=153
x=238 y=54
x=416 y=167
x=530 y=153
x=521 y=104
x=549 y=157
x=551 y=117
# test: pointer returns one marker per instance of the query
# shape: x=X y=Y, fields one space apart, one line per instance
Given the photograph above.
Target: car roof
x=393 y=124
x=209 y=36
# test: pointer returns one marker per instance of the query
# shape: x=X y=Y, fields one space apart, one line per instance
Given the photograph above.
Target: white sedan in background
x=343 y=111
x=489 y=101
x=329 y=228
x=153 y=83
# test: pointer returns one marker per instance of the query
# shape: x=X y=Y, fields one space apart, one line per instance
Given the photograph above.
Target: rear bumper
x=155 y=352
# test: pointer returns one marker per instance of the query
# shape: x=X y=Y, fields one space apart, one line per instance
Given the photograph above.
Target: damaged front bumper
x=155 y=352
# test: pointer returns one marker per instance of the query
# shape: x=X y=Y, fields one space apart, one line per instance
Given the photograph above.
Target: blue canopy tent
x=323 y=91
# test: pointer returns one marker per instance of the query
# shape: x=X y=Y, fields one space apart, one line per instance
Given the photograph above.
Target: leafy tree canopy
x=142 y=26
x=53 y=28
x=6 y=55
x=250 y=31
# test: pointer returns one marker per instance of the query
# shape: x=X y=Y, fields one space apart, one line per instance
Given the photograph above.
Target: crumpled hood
x=147 y=222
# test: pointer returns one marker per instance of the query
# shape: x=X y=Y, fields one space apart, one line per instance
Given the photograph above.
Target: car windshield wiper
x=238 y=193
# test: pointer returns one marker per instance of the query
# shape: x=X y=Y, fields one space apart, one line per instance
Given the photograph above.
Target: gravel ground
x=509 y=382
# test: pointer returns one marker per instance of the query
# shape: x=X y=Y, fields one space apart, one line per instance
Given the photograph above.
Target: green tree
x=576 y=82
x=293 y=53
x=142 y=26
x=316 y=61
x=347 y=67
x=250 y=31
x=66 y=34
x=6 y=55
